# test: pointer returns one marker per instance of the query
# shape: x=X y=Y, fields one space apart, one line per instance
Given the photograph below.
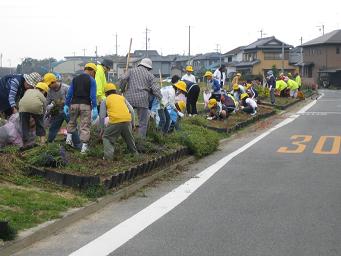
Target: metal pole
x=116 y=43
x=74 y=64
x=1 y=60
x=146 y=42
x=189 y=41
x=282 y=57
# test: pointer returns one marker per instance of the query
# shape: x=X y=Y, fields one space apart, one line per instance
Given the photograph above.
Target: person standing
x=12 y=89
x=102 y=69
x=189 y=75
x=271 y=81
x=55 y=101
x=81 y=102
x=121 y=116
x=220 y=75
x=138 y=86
x=214 y=84
x=298 y=80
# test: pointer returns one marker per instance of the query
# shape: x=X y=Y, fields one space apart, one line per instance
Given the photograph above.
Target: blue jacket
x=74 y=90
x=215 y=85
x=189 y=85
x=11 y=90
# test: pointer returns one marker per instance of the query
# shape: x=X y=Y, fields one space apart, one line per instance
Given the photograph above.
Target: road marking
x=123 y=232
x=335 y=149
x=319 y=113
x=300 y=147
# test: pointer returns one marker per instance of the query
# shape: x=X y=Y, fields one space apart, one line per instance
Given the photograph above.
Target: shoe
x=85 y=148
x=189 y=115
x=69 y=140
x=252 y=114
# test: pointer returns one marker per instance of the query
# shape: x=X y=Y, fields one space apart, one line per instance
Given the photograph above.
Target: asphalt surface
x=262 y=202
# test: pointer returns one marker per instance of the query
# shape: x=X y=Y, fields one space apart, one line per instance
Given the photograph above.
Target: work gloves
x=94 y=113
x=67 y=111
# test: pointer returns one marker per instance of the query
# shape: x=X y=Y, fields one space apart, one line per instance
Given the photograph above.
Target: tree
x=30 y=65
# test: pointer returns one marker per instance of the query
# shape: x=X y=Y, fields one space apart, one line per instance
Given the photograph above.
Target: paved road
x=281 y=196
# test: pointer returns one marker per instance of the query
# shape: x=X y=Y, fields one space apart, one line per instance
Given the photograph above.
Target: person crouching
x=33 y=105
x=121 y=119
x=217 y=110
x=248 y=104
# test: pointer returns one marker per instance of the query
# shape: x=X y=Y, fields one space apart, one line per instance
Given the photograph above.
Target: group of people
x=222 y=102
x=32 y=103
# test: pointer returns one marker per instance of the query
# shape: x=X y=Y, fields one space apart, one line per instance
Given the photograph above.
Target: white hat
x=33 y=78
x=146 y=62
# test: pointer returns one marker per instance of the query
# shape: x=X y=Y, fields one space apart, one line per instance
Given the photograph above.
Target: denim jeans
x=56 y=123
x=164 y=123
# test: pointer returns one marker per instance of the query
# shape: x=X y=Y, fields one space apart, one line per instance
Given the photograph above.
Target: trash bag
x=207 y=95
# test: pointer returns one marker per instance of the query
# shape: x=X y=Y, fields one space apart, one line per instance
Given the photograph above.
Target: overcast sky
x=46 y=28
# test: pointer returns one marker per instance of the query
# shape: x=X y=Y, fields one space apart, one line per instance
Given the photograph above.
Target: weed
x=95 y=191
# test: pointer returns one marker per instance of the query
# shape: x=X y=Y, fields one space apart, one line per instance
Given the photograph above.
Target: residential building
x=264 y=54
x=322 y=59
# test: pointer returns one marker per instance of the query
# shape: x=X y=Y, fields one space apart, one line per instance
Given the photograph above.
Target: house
x=203 y=62
x=322 y=59
x=264 y=54
x=72 y=64
x=231 y=58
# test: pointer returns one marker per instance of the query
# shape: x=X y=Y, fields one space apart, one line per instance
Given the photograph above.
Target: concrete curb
x=73 y=216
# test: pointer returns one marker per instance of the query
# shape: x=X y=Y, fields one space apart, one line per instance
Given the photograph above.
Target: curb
x=75 y=215
x=283 y=107
x=243 y=124
x=76 y=181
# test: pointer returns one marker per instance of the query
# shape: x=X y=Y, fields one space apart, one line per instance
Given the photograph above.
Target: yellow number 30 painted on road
x=299 y=141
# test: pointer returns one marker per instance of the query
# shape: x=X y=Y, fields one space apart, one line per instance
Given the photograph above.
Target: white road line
x=123 y=232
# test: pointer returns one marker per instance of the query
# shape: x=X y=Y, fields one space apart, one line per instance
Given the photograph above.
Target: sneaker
x=189 y=115
x=252 y=114
x=69 y=140
x=85 y=148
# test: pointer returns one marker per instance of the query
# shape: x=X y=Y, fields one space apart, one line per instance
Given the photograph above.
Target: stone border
x=243 y=124
x=283 y=107
x=76 y=181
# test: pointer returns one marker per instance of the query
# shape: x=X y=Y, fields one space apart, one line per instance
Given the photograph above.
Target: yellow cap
x=211 y=103
x=181 y=85
x=49 y=78
x=42 y=86
x=110 y=87
x=208 y=73
x=182 y=105
x=91 y=65
x=289 y=74
x=189 y=68
x=238 y=74
x=244 y=95
x=235 y=87
x=248 y=86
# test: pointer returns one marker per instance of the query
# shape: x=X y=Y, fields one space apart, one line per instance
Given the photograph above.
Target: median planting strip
x=198 y=137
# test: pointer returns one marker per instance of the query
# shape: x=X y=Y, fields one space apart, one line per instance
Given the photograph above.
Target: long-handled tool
x=128 y=57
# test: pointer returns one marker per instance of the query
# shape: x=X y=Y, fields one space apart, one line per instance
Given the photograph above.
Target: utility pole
x=84 y=51
x=116 y=44
x=282 y=57
x=0 y=60
x=189 y=41
x=74 y=64
x=321 y=28
x=301 y=40
x=22 y=65
x=147 y=39
x=219 y=52
x=96 y=53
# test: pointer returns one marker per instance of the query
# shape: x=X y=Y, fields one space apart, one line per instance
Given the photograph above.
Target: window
x=337 y=50
x=229 y=59
x=275 y=55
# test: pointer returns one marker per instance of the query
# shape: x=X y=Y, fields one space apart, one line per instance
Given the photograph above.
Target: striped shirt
x=141 y=85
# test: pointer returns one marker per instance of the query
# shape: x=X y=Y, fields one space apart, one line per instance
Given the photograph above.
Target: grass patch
x=25 y=208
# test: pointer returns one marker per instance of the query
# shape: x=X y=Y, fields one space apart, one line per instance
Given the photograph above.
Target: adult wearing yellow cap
x=33 y=105
x=102 y=69
x=214 y=84
x=81 y=102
